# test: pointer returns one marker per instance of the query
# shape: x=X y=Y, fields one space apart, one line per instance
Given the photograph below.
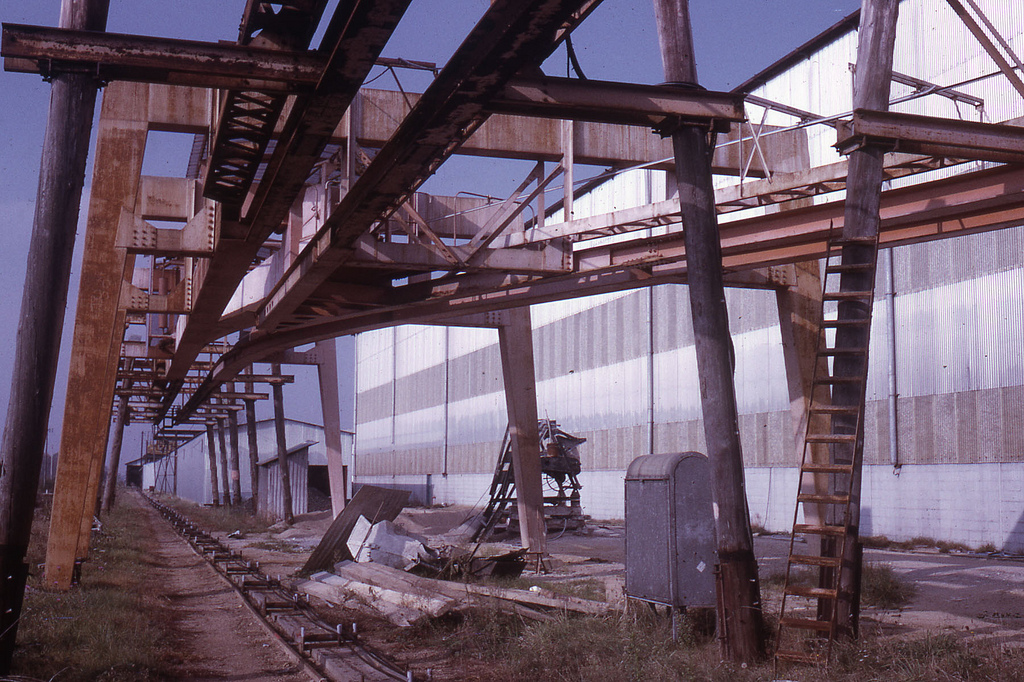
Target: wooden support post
x=330 y=404
x=233 y=460
x=225 y=489
x=114 y=461
x=211 y=446
x=872 y=80
x=282 y=447
x=740 y=619
x=61 y=177
x=515 y=342
x=254 y=451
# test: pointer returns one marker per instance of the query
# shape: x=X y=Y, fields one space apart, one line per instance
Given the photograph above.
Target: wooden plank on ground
x=376 y=504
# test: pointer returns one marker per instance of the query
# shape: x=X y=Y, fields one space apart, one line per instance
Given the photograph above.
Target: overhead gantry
x=252 y=274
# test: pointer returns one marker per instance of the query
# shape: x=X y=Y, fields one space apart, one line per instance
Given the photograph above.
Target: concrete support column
x=254 y=453
x=330 y=404
x=99 y=326
x=515 y=341
x=800 y=325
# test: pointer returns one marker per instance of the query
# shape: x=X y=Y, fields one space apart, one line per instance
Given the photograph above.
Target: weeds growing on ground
x=102 y=629
x=881 y=586
x=584 y=588
x=224 y=519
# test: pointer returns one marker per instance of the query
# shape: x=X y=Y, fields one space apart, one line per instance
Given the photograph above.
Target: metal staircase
x=821 y=590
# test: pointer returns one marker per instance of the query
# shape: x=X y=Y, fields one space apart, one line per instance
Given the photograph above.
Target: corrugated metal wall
x=271 y=499
x=620 y=369
x=194 y=467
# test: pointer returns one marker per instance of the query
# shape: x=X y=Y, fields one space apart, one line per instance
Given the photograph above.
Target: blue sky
x=734 y=39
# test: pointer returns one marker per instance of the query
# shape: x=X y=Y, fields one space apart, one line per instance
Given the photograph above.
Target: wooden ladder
x=502 y=491
x=824 y=545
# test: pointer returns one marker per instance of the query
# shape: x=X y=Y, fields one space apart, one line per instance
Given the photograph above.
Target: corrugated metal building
x=620 y=369
x=307 y=467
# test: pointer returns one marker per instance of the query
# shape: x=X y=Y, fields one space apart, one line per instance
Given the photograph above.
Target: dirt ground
x=216 y=635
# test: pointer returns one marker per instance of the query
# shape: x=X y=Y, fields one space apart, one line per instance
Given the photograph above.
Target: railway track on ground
x=328 y=652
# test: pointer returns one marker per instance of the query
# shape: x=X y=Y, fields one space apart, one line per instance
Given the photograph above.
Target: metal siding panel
x=418 y=348
x=1013 y=424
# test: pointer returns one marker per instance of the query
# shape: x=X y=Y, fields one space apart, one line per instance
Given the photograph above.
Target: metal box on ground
x=670 y=530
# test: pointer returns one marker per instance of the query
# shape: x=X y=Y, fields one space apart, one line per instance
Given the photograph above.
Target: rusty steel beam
x=48 y=51
x=248 y=117
x=602 y=144
x=359 y=36
x=548 y=259
x=117 y=56
x=979 y=201
x=931 y=136
x=511 y=37
x=620 y=103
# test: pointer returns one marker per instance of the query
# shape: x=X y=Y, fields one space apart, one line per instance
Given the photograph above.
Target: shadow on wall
x=420 y=494
x=867 y=528
x=1015 y=541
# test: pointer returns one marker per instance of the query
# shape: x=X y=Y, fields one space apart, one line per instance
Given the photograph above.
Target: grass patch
x=103 y=629
x=224 y=519
x=932 y=657
x=881 y=586
x=488 y=644
x=947 y=547
x=584 y=588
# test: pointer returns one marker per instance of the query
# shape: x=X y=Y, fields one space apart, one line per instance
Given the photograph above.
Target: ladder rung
x=823 y=499
x=798 y=656
x=835 y=409
x=812 y=560
x=846 y=295
x=819 y=530
x=849 y=267
x=822 y=381
x=806 y=624
x=831 y=438
x=853 y=241
x=817 y=592
x=844 y=352
x=827 y=468
x=832 y=324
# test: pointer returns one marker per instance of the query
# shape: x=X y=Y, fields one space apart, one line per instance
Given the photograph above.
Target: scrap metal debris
x=559 y=465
